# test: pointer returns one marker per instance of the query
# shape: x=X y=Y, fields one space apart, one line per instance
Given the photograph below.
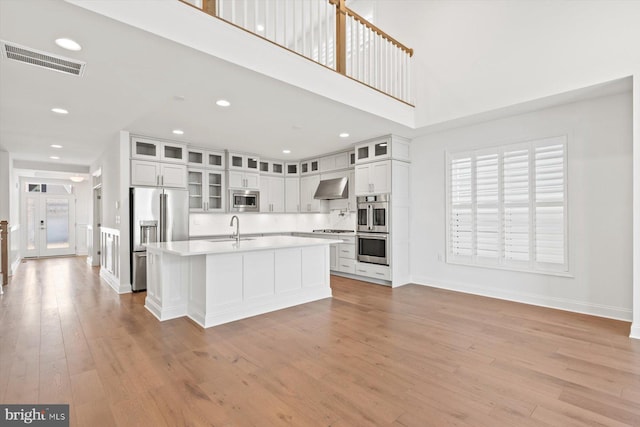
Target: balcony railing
x=327 y=32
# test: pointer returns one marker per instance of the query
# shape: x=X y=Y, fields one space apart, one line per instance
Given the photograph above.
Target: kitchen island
x=219 y=281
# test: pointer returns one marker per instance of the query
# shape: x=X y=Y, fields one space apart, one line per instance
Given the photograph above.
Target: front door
x=49 y=225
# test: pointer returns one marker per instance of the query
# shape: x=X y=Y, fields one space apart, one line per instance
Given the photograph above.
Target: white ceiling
x=131 y=82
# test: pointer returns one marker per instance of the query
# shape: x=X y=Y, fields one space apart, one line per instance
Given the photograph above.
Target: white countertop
x=204 y=247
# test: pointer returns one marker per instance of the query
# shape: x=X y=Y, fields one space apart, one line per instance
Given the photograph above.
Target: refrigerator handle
x=163 y=217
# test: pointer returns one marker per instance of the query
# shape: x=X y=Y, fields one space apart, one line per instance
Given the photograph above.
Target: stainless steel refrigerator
x=157 y=215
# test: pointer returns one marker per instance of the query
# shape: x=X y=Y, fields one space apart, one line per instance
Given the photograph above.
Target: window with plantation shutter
x=507 y=206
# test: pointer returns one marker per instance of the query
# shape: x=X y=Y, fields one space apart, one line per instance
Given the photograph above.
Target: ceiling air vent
x=42 y=59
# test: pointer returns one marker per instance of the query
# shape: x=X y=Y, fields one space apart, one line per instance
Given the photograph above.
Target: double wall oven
x=373 y=229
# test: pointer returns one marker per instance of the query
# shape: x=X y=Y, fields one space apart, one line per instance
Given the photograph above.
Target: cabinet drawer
x=347 y=265
x=374 y=271
x=346 y=250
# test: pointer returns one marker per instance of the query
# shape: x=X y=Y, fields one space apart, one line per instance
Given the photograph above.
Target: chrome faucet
x=237 y=233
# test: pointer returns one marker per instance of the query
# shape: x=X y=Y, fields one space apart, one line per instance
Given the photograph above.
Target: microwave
x=244 y=201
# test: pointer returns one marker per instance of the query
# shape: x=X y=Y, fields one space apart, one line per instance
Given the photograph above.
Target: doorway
x=49 y=217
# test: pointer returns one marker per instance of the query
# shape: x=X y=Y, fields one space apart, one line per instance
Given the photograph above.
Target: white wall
x=600 y=208
x=475 y=56
x=109 y=161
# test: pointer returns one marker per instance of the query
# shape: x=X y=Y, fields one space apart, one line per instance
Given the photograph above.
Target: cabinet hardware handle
x=379 y=274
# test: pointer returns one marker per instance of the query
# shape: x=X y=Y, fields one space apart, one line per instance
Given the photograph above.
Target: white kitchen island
x=215 y=282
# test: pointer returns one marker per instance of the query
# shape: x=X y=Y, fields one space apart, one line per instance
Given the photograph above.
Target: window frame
x=532 y=265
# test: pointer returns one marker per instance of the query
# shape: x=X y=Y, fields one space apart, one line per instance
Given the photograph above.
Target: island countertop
x=229 y=246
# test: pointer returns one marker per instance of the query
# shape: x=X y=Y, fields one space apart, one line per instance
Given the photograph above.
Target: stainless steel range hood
x=330 y=189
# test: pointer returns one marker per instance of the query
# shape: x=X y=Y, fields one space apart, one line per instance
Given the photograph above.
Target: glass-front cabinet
x=246 y=162
x=206 y=190
x=163 y=151
x=271 y=167
x=197 y=157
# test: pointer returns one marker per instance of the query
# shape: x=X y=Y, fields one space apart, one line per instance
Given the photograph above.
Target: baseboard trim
x=114 y=282
x=635 y=331
x=565 y=304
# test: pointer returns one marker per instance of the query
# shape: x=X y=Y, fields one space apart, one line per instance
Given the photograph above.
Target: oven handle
x=369 y=217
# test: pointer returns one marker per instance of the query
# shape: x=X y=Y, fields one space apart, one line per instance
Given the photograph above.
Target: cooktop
x=329 y=230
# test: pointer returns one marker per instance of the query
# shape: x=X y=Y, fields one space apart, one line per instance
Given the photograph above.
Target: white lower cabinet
x=375 y=271
x=346 y=256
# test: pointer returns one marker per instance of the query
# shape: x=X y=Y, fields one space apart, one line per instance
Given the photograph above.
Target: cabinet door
x=173 y=175
x=363 y=153
x=144 y=173
x=252 y=180
x=145 y=149
x=276 y=194
x=236 y=179
x=215 y=191
x=236 y=161
x=308 y=187
x=292 y=169
x=380 y=177
x=292 y=195
x=265 y=197
x=362 y=180
x=351 y=203
x=174 y=153
x=333 y=257
x=215 y=159
x=196 y=157
x=196 y=186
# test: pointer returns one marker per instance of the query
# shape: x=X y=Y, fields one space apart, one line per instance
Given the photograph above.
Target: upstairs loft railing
x=327 y=32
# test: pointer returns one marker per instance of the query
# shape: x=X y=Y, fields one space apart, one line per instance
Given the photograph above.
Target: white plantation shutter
x=460 y=217
x=487 y=213
x=550 y=203
x=516 y=194
x=507 y=206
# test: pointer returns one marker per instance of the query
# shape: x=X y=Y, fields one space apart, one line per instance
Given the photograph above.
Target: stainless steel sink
x=229 y=239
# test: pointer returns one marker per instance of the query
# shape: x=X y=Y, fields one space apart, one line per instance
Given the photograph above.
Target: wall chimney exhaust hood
x=330 y=189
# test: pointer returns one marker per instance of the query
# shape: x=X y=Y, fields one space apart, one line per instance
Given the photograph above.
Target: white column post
x=635 y=326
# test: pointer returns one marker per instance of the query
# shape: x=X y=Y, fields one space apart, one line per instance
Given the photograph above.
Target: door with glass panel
x=49 y=225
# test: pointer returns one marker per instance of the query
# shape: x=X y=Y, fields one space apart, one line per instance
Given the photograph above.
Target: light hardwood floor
x=370 y=356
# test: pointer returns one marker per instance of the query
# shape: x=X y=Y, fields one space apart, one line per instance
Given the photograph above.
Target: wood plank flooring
x=370 y=356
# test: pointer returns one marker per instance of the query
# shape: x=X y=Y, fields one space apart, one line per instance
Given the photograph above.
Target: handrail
x=4 y=252
x=373 y=28
x=326 y=32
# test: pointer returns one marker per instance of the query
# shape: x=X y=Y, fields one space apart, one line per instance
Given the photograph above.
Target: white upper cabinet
x=308 y=187
x=272 y=197
x=154 y=174
x=389 y=147
x=373 y=178
x=292 y=194
x=245 y=162
x=308 y=167
x=201 y=158
x=206 y=190
x=292 y=169
x=334 y=162
x=149 y=149
x=272 y=167
x=245 y=180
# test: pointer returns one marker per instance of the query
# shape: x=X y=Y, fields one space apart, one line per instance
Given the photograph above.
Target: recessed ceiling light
x=59 y=110
x=55 y=146
x=178 y=98
x=178 y=132
x=286 y=151
x=54 y=157
x=76 y=178
x=260 y=27
x=344 y=135
x=68 y=44
x=223 y=103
